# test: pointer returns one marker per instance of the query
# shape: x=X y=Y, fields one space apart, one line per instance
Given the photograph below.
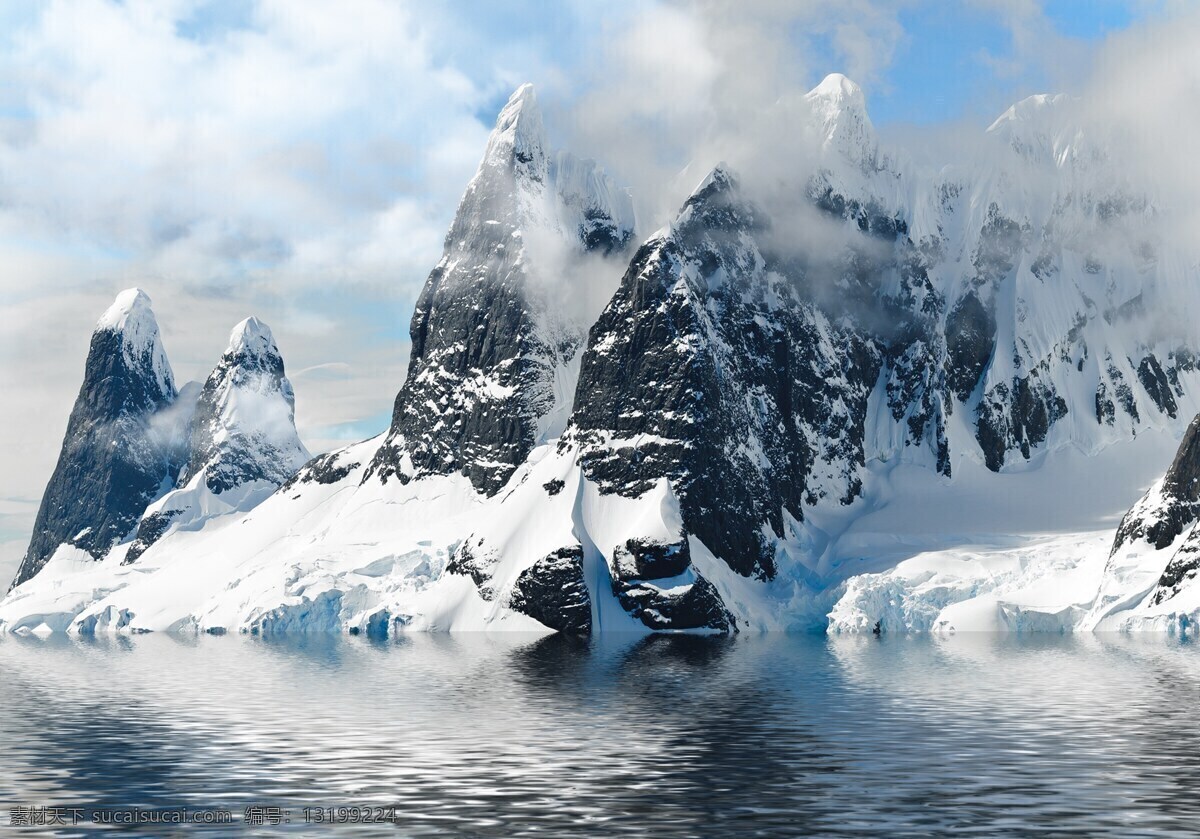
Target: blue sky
x=301 y=161
x=941 y=71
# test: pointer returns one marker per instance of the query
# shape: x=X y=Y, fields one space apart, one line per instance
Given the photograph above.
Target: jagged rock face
x=150 y=529
x=709 y=370
x=1046 y=261
x=477 y=562
x=1016 y=417
x=328 y=468
x=1009 y=288
x=647 y=559
x=115 y=458
x=1180 y=571
x=851 y=284
x=696 y=605
x=242 y=433
x=970 y=336
x=1167 y=510
x=1158 y=384
x=1172 y=504
x=244 y=427
x=553 y=592
x=657 y=584
x=489 y=348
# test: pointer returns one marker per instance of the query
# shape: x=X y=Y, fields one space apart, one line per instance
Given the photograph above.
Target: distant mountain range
x=705 y=453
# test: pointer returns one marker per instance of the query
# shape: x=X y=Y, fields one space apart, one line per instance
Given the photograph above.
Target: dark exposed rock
x=323 y=469
x=1106 y=409
x=970 y=338
x=468 y=344
x=485 y=345
x=1182 y=569
x=553 y=487
x=1184 y=360
x=150 y=530
x=115 y=460
x=657 y=584
x=691 y=376
x=870 y=218
x=1001 y=240
x=478 y=566
x=553 y=592
x=695 y=605
x=650 y=559
x=915 y=387
x=1121 y=389
x=1168 y=508
x=1157 y=385
x=1017 y=418
x=601 y=232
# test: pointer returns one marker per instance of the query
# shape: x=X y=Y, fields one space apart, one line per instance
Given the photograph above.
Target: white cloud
x=1146 y=85
x=685 y=85
x=303 y=161
x=216 y=160
x=290 y=166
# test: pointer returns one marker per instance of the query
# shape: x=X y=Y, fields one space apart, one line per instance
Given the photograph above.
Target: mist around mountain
x=837 y=389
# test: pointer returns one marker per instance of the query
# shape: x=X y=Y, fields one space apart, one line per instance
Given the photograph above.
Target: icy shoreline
x=372 y=559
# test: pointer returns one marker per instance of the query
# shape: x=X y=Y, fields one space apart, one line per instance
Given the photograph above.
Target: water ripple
x=665 y=736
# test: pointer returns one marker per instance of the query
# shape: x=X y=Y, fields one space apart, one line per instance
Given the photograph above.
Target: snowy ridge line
x=920 y=401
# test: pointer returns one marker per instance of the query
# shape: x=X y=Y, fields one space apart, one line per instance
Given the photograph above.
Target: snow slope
x=242 y=445
x=123 y=443
x=925 y=399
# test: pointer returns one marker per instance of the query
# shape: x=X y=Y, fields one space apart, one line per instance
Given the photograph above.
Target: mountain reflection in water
x=665 y=736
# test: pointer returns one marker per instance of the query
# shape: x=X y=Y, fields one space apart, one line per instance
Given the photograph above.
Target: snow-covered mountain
x=242 y=440
x=141 y=460
x=1149 y=578
x=123 y=444
x=494 y=357
x=792 y=406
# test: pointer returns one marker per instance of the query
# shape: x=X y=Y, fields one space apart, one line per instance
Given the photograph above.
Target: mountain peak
x=244 y=427
x=522 y=101
x=840 y=111
x=523 y=184
x=1045 y=129
x=519 y=134
x=132 y=319
x=717 y=203
x=251 y=336
x=1028 y=109
x=719 y=179
x=838 y=88
x=130 y=308
x=116 y=456
x=718 y=186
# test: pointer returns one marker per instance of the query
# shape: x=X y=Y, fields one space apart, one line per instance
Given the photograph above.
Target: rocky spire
x=244 y=428
x=1172 y=504
x=243 y=439
x=488 y=359
x=117 y=455
x=840 y=109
